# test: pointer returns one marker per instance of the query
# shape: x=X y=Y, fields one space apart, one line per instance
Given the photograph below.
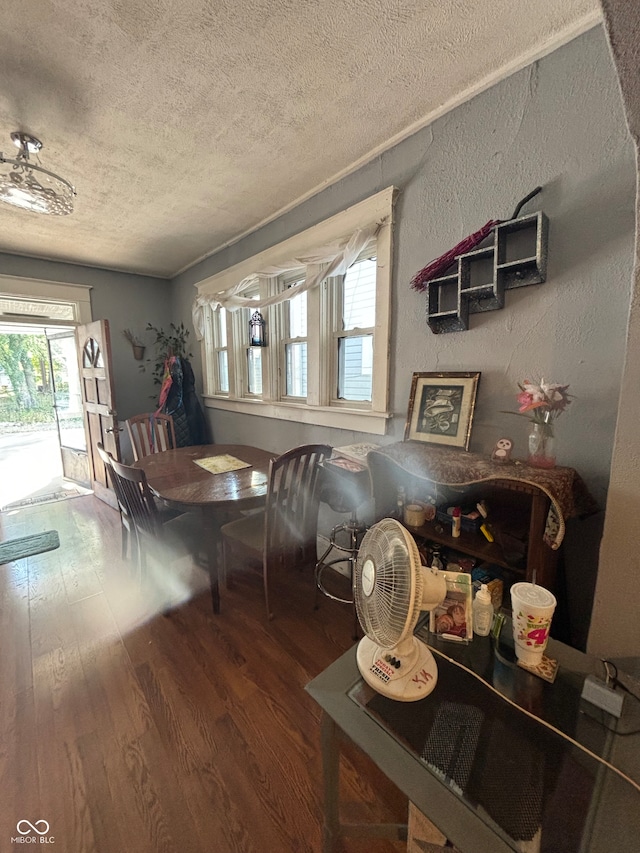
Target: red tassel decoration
x=439 y=265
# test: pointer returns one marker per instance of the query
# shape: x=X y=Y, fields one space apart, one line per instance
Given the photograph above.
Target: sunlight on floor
x=171 y=576
x=30 y=467
x=168 y=583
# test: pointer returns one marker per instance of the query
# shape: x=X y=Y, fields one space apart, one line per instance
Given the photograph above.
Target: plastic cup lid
x=532 y=594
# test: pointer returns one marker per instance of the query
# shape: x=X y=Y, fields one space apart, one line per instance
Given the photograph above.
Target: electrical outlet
x=599 y=694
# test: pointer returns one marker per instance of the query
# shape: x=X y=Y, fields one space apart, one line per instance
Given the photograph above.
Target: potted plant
x=167 y=344
x=172 y=371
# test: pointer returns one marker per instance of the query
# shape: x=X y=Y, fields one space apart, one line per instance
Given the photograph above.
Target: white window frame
x=240 y=349
x=334 y=297
x=320 y=407
x=78 y=296
x=213 y=320
x=285 y=338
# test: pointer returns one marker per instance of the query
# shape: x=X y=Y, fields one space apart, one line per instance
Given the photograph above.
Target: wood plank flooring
x=129 y=730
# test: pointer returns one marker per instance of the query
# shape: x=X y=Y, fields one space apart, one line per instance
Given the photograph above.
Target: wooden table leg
x=212 y=541
x=331 y=782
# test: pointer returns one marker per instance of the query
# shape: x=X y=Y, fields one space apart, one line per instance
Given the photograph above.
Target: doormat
x=27 y=546
x=45 y=499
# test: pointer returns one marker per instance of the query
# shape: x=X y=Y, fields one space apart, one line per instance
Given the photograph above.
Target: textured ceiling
x=185 y=123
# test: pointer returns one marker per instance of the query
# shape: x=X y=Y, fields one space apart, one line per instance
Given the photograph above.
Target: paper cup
x=533 y=608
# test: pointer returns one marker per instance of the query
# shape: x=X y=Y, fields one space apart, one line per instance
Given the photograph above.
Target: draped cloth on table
x=445 y=466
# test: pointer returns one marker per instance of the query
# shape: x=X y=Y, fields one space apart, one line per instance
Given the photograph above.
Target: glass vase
x=541 y=446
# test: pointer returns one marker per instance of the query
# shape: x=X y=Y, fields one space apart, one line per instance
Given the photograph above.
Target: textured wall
x=615 y=627
x=559 y=123
x=127 y=301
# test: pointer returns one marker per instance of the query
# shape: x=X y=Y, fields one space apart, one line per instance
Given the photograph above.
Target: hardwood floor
x=131 y=731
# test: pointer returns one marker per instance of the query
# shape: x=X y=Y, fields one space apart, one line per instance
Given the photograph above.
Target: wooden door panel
x=100 y=415
x=103 y=395
x=67 y=396
x=89 y=389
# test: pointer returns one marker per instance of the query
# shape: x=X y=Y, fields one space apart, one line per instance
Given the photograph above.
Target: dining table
x=177 y=478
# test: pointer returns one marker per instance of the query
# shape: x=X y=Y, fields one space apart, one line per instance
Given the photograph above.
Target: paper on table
x=357 y=452
x=221 y=464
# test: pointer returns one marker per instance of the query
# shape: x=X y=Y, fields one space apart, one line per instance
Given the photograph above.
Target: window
x=249 y=376
x=220 y=364
x=326 y=359
x=33 y=301
x=355 y=297
x=294 y=343
x=254 y=371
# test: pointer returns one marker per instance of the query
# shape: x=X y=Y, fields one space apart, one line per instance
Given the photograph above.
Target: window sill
x=352 y=419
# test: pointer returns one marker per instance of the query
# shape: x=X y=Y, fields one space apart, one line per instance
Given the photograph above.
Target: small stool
x=343 y=491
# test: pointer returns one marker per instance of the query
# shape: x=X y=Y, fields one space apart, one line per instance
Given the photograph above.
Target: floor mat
x=27 y=546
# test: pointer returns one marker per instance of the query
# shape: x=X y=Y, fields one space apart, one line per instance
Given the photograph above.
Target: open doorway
x=43 y=454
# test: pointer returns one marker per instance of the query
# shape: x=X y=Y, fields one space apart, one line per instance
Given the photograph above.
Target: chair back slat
x=139 y=499
x=291 y=512
x=107 y=459
x=151 y=433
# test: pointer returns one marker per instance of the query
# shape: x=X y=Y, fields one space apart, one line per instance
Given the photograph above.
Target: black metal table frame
x=343 y=719
x=613 y=816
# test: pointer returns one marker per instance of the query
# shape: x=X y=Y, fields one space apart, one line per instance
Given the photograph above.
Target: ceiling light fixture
x=29 y=186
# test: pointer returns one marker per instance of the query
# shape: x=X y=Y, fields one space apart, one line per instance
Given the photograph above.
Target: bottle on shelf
x=400 y=503
x=456 y=516
x=436 y=561
x=482 y=612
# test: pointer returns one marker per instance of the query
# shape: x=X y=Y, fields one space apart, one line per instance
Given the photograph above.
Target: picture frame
x=453 y=618
x=441 y=408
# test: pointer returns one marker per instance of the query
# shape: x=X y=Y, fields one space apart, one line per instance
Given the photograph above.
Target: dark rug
x=27 y=546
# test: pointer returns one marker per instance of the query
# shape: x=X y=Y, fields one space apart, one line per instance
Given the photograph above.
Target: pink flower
x=545 y=399
x=528 y=401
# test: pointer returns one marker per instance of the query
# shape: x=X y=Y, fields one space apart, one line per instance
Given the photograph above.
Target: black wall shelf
x=477 y=280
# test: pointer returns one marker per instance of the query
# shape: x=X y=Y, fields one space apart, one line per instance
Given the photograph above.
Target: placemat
x=221 y=464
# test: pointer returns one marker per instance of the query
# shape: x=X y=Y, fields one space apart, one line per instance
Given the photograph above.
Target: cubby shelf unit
x=477 y=280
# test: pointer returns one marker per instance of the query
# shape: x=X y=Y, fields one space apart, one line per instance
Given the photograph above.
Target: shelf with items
x=468 y=542
x=507 y=525
x=527 y=506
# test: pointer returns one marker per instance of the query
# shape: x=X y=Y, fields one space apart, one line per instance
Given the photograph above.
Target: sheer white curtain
x=339 y=256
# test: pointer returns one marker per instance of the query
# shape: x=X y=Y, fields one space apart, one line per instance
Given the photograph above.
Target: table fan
x=391 y=588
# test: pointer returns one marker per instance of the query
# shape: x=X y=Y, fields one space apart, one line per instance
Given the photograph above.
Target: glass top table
x=495 y=757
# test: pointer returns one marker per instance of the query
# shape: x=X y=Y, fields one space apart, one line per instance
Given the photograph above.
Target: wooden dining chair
x=284 y=534
x=129 y=538
x=152 y=526
x=150 y=433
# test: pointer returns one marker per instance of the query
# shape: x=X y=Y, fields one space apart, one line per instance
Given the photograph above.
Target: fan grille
x=388 y=583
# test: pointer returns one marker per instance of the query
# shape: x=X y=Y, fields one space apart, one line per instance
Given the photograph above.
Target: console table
x=540 y=499
x=541 y=771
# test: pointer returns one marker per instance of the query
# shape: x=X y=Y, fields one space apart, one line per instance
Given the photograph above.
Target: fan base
x=414 y=679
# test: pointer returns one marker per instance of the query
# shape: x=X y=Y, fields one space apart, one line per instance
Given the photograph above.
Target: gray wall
x=615 y=628
x=559 y=124
x=127 y=301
